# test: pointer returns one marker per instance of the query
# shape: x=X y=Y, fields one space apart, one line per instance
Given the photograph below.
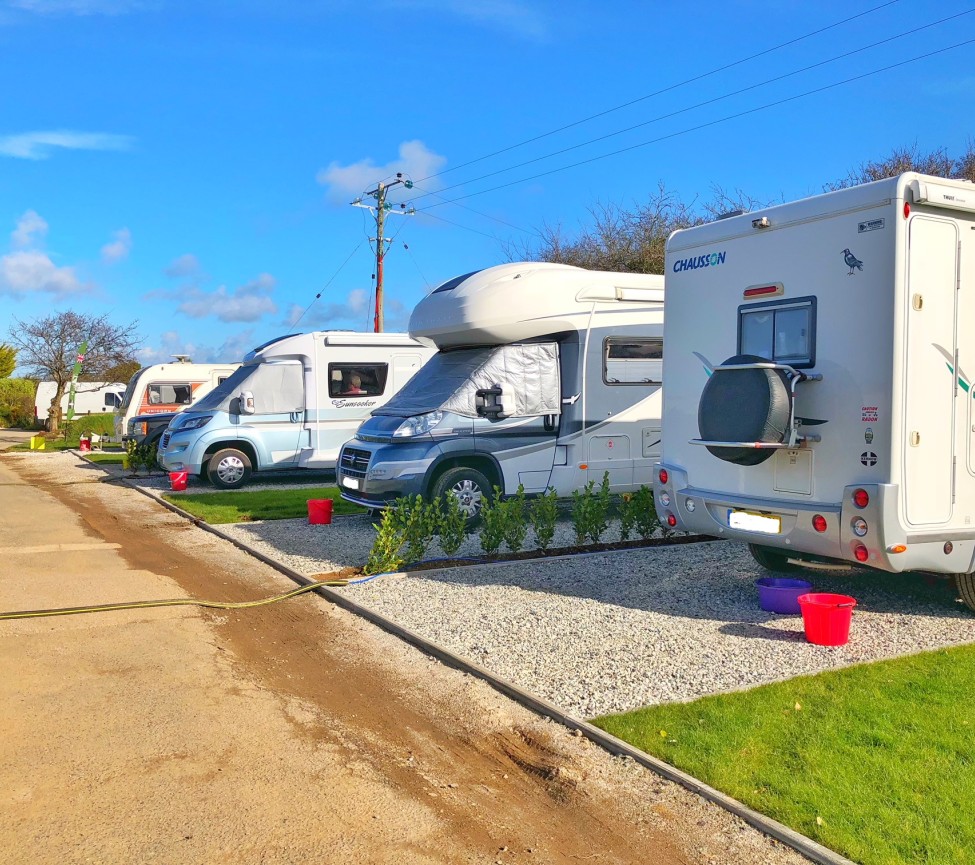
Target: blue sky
x=190 y=164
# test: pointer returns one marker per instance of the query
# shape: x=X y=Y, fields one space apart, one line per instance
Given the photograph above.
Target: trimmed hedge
x=17 y=402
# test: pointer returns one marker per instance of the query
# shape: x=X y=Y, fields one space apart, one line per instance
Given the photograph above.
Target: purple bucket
x=781 y=594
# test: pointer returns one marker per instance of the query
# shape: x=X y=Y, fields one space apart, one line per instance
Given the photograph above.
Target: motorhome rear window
x=357 y=379
x=170 y=394
x=633 y=360
x=779 y=330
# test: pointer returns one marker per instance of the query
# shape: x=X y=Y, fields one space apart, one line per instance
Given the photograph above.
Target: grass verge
x=112 y=458
x=876 y=762
x=239 y=507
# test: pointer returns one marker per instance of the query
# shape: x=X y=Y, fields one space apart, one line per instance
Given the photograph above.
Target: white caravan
x=91 y=397
x=547 y=376
x=819 y=394
x=166 y=388
x=290 y=405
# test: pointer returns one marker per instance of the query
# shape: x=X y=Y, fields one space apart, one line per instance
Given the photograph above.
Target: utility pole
x=380 y=209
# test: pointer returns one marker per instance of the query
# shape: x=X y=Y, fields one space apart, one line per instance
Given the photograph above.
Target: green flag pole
x=76 y=371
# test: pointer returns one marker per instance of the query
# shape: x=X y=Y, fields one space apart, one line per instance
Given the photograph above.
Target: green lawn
x=112 y=458
x=236 y=507
x=100 y=424
x=876 y=762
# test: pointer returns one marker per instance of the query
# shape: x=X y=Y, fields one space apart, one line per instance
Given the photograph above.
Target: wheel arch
x=239 y=444
x=487 y=464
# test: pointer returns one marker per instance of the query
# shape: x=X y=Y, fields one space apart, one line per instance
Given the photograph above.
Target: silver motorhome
x=821 y=408
x=546 y=375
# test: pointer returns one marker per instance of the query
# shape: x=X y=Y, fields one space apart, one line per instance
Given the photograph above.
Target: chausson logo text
x=711 y=260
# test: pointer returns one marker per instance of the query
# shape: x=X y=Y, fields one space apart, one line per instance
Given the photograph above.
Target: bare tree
x=48 y=347
x=937 y=163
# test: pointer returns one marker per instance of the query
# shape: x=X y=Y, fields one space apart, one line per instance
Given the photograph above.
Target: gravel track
x=610 y=632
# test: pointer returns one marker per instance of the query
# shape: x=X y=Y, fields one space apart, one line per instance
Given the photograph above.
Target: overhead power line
x=663 y=90
x=327 y=284
x=700 y=126
x=706 y=102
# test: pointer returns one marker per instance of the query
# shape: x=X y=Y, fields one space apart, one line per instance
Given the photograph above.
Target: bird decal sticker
x=852 y=262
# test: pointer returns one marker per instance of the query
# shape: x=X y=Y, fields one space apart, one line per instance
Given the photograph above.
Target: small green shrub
x=628 y=515
x=419 y=521
x=385 y=553
x=493 y=517
x=452 y=525
x=544 y=514
x=590 y=511
x=139 y=456
x=645 y=511
x=514 y=522
x=17 y=402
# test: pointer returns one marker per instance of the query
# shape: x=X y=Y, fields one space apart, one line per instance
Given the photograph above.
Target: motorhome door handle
x=917 y=301
x=915 y=438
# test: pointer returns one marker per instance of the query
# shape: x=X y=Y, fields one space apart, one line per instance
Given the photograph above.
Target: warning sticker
x=869 y=413
x=870 y=225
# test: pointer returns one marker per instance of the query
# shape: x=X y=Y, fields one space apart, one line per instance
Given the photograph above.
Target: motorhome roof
x=525 y=300
x=918 y=188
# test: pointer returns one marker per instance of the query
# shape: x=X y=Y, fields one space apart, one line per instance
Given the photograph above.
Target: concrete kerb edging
x=812 y=850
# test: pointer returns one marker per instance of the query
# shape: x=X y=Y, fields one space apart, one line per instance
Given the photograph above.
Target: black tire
x=229 y=469
x=771 y=559
x=745 y=405
x=965 y=586
x=470 y=486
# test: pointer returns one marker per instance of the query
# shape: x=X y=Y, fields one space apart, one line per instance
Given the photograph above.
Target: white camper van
x=819 y=398
x=166 y=388
x=290 y=405
x=547 y=375
x=91 y=397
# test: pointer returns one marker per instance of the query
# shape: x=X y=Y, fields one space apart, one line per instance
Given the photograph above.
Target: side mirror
x=492 y=402
x=246 y=400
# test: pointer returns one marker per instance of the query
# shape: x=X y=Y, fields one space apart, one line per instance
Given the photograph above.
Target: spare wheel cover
x=745 y=405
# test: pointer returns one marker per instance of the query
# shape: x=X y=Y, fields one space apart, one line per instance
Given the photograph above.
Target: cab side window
x=357 y=379
x=633 y=360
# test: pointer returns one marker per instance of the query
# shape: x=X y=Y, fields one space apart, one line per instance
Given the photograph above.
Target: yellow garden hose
x=173 y=602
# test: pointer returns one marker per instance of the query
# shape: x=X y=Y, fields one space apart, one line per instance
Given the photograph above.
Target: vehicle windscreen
x=449 y=381
x=130 y=388
x=219 y=398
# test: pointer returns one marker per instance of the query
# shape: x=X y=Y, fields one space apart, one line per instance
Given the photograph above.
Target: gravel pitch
x=610 y=632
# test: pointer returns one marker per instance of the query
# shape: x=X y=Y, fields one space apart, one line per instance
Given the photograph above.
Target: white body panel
x=91 y=397
x=893 y=298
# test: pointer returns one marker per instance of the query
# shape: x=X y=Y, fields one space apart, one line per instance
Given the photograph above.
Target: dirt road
x=292 y=733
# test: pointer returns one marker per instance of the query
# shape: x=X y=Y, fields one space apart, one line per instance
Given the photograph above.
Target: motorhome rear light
x=859 y=526
x=907 y=209
x=861 y=498
x=665 y=499
x=671 y=520
x=764 y=290
x=819 y=523
x=689 y=504
x=897 y=548
x=663 y=476
x=860 y=551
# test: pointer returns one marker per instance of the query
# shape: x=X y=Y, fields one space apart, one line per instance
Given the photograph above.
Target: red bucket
x=84 y=444
x=319 y=511
x=826 y=617
x=177 y=480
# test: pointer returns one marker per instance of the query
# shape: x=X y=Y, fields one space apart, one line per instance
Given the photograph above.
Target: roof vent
x=183 y=358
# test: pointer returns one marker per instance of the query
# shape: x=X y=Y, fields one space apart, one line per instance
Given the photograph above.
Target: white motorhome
x=91 y=397
x=166 y=388
x=819 y=398
x=290 y=405
x=546 y=376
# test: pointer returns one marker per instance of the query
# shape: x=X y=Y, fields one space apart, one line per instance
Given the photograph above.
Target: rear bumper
x=889 y=546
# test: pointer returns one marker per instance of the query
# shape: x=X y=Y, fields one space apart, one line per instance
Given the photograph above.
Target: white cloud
x=80 y=7
x=118 y=248
x=41 y=145
x=30 y=270
x=30 y=224
x=185 y=265
x=233 y=349
x=347 y=181
x=353 y=311
x=248 y=302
